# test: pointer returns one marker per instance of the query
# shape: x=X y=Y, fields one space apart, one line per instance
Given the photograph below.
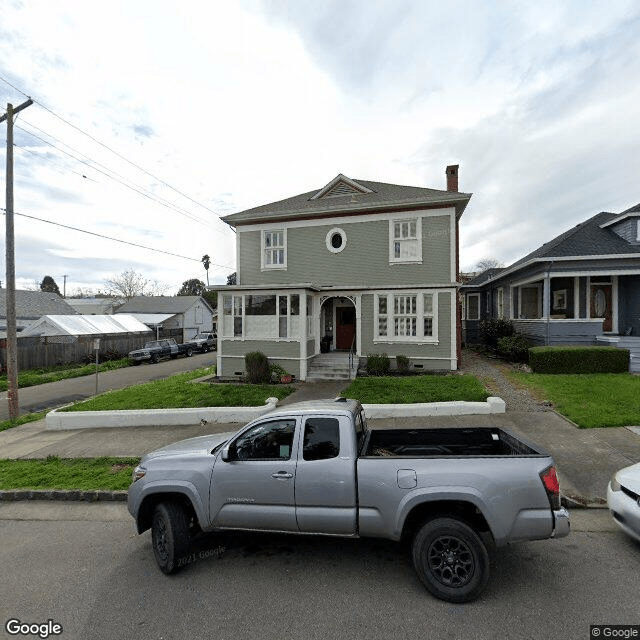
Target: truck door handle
x=282 y=475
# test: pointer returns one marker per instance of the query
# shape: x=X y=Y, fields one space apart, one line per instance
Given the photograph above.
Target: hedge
x=578 y=360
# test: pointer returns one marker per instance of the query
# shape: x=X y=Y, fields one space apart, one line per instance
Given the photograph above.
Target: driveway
x=55 y=394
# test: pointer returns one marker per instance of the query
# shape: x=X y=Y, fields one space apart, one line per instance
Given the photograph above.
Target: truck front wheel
x=169 y=536
x=189 y=352
x=451 y=560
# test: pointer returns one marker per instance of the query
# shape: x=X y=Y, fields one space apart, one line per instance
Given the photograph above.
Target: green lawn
x=177 y=392
x=590 y=400
x=23 y=419
x=64 y=473
x=33 y=377
x=426 y=388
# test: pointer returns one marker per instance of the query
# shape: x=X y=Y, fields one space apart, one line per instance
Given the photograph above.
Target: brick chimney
x=452 y=177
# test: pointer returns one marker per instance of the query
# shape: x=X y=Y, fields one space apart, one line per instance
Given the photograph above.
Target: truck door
x=325 y=477
x=254 y=489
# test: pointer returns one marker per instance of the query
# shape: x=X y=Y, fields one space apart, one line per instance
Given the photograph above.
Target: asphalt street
x=84 y=567
x=55 y=394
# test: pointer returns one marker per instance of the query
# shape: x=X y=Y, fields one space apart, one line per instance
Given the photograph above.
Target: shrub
x=492 y=330
x=514 y=348
x=257 y=367
x=378 y=364
x=578 y=360
x=276 y=372
x=403 y=364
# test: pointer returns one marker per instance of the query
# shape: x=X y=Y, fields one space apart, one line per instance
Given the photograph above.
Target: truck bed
x=456 y=442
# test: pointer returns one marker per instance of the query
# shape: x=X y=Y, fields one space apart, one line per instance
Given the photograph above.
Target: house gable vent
x=341 y=186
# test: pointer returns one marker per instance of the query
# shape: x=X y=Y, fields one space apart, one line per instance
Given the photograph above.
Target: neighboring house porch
x=582 y=288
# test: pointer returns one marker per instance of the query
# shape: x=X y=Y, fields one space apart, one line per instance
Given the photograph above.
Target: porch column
x=546 y=297
x=358 y=324
x=303 y=336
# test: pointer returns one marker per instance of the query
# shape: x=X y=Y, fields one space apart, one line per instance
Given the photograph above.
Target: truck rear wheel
x=451 y=560
x=189 y=352
x=205 y=348
x=169 y=536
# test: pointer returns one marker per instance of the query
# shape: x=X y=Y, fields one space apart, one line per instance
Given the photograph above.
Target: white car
x=623 y=499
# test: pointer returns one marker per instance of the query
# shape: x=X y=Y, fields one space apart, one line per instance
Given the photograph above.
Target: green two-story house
x=354 y=268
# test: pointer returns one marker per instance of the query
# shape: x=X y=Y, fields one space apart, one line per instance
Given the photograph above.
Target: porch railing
x=352 y=352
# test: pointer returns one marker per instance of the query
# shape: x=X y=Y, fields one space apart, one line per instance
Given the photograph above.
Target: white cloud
x=237 y=105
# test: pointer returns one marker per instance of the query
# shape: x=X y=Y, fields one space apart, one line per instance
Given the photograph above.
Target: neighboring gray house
x=188 y=314
x=31 y=306
x=95 y=306
x=582 y=287
x=355 y=267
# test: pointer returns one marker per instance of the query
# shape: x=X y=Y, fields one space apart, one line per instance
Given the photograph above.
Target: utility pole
x=12 y=336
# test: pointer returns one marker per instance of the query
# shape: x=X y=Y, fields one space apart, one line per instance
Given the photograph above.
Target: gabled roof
x=35 y=304
x=585 y=239
x=56 y=325
x=343 y=195
x=161 y=304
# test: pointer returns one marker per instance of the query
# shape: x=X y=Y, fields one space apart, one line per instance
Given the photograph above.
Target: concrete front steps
x=331 y=366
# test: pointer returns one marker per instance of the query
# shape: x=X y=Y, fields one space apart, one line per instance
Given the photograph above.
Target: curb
x=17 y=495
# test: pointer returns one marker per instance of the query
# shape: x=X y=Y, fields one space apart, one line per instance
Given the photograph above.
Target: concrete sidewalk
x=585 y=458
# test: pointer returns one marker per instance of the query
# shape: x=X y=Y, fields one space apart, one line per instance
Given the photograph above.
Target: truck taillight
x=549 y=479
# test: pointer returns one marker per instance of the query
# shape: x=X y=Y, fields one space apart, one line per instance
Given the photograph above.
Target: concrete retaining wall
x=185 y=417
x=154 y=417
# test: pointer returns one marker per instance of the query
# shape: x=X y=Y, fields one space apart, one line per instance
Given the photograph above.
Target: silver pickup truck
x=316 y=468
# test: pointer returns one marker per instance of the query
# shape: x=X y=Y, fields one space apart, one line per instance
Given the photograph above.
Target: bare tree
x=488 y=263
x=130 y=283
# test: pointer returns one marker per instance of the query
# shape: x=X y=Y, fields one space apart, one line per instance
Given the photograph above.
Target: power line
x=107 y=172
x=99 y=235
x=102 y=144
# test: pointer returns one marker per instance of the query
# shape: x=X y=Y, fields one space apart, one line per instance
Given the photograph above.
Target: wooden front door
x=601 y=306
x=345 y=327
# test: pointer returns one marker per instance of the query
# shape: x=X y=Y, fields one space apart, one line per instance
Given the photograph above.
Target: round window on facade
x=336 y=240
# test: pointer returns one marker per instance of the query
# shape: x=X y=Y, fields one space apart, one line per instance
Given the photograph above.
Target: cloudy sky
x=153 y=118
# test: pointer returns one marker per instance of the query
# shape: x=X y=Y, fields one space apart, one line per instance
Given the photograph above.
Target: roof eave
x=459 y=201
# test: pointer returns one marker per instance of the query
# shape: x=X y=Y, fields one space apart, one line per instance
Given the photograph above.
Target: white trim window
x=473 y=306
x=638 y=231
x=409 y=316
x=530 y=302
x=500 y=302
x=274 y=249
x=405 y=240
x=260 y=316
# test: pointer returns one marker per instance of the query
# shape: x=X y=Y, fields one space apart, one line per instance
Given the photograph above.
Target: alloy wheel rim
x=451 y=561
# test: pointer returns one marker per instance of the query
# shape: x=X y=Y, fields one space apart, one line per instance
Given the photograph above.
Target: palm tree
x=205 y=262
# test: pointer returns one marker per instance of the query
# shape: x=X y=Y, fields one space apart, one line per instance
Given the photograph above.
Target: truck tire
x=451 y=560
x=169 y=536
x=189 y=352
x=153 y=359
x=205 y=348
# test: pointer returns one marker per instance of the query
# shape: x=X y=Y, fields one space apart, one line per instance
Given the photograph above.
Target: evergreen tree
x=49 y=284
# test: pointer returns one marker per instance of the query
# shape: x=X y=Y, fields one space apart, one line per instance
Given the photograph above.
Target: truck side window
x=266 y=441
x=321 y=439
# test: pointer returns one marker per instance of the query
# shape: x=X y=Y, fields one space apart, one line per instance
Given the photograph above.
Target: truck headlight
x=138 y=472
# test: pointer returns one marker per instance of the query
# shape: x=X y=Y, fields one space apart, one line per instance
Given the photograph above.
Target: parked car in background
x=623 y=499
x=204 y=342
x=157 y=349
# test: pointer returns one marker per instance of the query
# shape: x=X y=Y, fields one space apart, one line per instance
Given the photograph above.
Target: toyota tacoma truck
x=154 y=350
x=317 y=468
